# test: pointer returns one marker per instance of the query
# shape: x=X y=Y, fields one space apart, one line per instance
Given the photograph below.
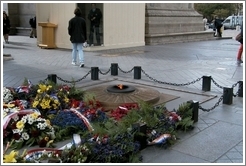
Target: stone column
x=172 y=22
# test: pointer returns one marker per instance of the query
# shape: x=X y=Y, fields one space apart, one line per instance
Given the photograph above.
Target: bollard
x=137 y=72
x=227 y=95
x=52 y=77
x=94 y=73
x=194 y=106
x=206 y=83
x=114 y=69
x=240 y=88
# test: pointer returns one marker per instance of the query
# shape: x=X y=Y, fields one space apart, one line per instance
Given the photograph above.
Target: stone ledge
x=7 y=57
x=178 y=34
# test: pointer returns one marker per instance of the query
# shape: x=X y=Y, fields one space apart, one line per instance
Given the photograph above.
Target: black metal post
x=52 y=77
x=194 y=105
x=206 y=83
x=94 y=73
x=227 y=95
x=137 y=72
x=240 y=88
x=114 y=69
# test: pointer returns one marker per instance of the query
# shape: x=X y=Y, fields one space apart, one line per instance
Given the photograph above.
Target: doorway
x=85 y=9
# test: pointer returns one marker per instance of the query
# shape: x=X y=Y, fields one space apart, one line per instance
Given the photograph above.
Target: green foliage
x=222 y=10
x=185 y=111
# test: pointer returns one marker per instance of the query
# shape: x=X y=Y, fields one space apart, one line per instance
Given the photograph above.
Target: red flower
x=16 y=136
x=35 y=133
x=43 y=142
x=13 y=125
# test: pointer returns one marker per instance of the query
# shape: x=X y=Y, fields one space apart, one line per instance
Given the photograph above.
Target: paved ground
x=219 y=133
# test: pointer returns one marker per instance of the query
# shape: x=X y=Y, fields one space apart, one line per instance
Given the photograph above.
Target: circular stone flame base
x=134 y=94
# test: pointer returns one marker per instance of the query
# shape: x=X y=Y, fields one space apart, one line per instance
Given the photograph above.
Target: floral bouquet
x=30 y=129
x=7 y=95
x=50 y=98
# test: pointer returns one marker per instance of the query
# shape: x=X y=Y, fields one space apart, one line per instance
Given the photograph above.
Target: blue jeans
x=78 y=47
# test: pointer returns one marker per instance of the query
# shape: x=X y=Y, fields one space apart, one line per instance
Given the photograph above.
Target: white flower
x=7 y=96
x=42 y=126
x=25 y=136
x=39 y=125
x=30 y=121
x=17 y=131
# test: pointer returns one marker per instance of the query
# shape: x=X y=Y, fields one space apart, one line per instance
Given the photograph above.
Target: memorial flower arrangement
x=49 y=97
x=31 y=129
x=59 y=111
x=7 y=95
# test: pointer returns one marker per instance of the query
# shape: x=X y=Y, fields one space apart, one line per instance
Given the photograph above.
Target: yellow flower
x=42 y=87
x=34 y=115
x=35 y=103
x=56 y=101
x=66 y=99
x=10 y=158
x=46 y=138
x=48 y=122
x=9 y=105
x=20 y=125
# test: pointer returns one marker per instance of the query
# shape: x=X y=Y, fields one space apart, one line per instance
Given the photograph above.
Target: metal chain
x=216 y=84
x=105 y=72
x=59 y=78
x=216 y=104
x=168 y=83
x=240 y=87
x=125 y=71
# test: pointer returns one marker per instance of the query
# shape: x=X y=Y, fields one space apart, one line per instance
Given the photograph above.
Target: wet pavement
x=219 y=133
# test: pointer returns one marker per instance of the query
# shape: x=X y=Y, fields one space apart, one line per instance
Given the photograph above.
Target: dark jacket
x=218 y=23
x=6 y=25
x=33 y=22
x=77 y=30
x=97 y=14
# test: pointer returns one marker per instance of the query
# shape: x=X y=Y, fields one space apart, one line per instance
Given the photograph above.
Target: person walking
x=77 y=32
x=6 y=27
x=240 y=50
x=33 y=24
x=94 y=16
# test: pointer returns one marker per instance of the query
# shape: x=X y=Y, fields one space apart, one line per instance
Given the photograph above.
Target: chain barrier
x=125 y=71
x=210 y=109
x=105 y=72
x=169 y=83
x=216 y=83
x=162 y=82
x=59 y=78
x=234 y=85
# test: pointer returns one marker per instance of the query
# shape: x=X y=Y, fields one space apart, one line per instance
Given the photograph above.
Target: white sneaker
x=74 y=63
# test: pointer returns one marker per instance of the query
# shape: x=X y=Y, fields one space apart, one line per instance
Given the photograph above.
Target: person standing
x=205 y=20
x=6 y=27
x=240 y=50
x=33 y=24
x=218 y=24
x=77 y=32
x=94 y=16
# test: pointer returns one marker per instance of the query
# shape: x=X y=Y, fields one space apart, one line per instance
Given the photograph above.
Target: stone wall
x=19 y=15
x=170 y=22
